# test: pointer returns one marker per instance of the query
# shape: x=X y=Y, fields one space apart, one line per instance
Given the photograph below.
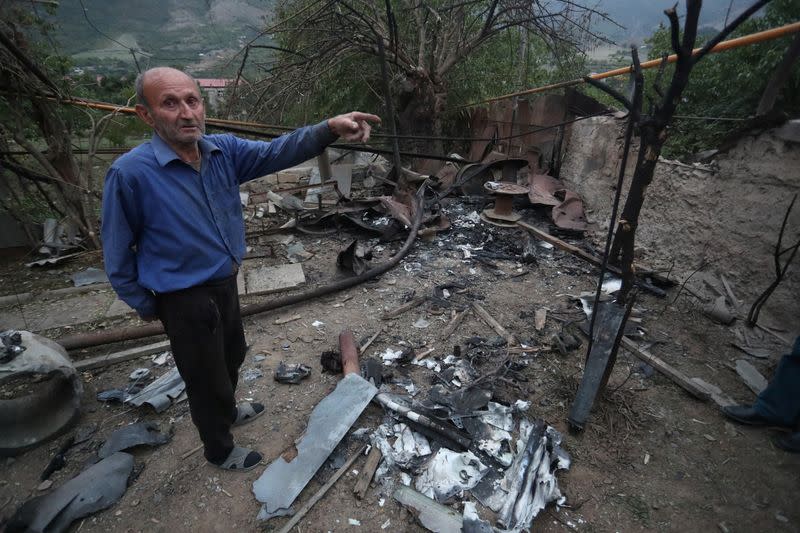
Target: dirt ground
x=652 y=458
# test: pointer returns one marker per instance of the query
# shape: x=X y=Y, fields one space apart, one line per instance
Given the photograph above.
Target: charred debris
x=459 y=444
x=465 y=433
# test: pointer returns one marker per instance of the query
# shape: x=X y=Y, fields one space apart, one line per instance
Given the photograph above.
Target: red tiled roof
x=213 y=83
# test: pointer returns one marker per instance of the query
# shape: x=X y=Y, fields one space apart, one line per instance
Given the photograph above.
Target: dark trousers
x=205 y=332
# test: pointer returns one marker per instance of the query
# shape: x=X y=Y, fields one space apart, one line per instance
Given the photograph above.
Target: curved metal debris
x=283 y=480
x=51 y=409
x=139 y=434
x=161 y=393
x=94 y=489
x=543 y=188
x=570 y=214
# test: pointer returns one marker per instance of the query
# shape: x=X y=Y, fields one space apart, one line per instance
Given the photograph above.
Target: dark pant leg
x=780 y=401
x=233 y=332
x=194 y=325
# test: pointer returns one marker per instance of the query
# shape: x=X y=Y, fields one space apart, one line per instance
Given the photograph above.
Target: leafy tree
x=41 y=172
x=729 y=84
x=440 y=53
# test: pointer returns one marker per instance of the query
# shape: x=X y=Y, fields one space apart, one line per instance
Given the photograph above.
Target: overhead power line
x=95 y=28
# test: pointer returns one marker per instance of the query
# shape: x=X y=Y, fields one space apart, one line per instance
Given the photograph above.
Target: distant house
x=214 y=90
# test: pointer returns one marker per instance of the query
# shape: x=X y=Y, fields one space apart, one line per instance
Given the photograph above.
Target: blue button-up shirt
x=166 y=227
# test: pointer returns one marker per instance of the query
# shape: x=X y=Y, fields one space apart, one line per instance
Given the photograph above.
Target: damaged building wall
x=535 y=115
x=724 y=216
x=498 y=118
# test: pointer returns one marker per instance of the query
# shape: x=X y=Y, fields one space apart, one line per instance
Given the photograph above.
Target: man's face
x=175 y=108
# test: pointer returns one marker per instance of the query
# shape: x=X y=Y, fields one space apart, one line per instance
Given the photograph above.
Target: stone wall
x=723 y=216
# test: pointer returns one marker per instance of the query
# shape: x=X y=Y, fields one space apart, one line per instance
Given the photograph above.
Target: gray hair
x=139 y=86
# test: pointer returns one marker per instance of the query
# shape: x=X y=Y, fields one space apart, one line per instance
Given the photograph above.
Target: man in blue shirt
x=173 y=240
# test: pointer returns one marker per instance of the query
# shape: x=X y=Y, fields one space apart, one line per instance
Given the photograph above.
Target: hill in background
x=201 y=35
x=190 y=33
x=641 y=18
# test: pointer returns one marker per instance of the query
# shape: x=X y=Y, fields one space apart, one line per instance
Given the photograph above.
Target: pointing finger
x=357 y=115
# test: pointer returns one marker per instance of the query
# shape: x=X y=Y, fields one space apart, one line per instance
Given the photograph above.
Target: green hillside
x=198 y=34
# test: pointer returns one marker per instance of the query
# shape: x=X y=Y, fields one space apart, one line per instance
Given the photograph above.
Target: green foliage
x=355 y=84
x=494 y=68
x=727 y=84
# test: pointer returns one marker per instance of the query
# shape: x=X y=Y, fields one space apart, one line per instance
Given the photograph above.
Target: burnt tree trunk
x=420 y=105
x=653 y=129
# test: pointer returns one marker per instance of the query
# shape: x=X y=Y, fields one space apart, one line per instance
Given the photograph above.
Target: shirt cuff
x=323 y=134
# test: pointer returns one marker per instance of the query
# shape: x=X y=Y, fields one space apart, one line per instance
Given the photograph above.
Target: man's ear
x=144 y=114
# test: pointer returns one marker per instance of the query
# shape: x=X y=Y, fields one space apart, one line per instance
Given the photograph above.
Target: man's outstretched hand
x=353 y=126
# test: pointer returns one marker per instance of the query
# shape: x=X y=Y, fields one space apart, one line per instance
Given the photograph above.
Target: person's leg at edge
x=780 y=401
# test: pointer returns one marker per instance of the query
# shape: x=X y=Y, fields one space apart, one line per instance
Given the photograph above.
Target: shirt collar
x=164 y=154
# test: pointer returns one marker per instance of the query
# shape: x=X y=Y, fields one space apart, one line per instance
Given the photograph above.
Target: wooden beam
x=678 y=377
x=394 y=313
x=369 y=341
x=370 y=466
x=591 y=258
x=484 y=314
x=125 y=355
x=454 y=323
x=558 y=243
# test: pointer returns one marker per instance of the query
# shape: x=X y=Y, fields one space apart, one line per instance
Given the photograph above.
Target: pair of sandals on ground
x=242 y=459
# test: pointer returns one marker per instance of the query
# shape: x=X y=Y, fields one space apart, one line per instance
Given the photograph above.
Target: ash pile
x=459 y=447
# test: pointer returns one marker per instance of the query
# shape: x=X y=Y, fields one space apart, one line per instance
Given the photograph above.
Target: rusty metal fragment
x=543 y=188
x=570 y=213
x=503 y=210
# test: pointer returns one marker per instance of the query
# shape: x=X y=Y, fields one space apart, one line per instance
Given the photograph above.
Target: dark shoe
x=746 y=414
x=790 y=443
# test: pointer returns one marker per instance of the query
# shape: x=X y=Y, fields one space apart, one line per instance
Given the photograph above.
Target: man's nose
x=184 y=110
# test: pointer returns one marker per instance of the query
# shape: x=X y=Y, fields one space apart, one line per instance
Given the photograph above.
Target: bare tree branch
x=746 y=14
x=674 y=29
x=609 y=91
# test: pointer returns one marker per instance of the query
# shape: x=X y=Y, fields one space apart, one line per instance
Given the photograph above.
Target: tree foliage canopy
x=440 y=53
x=729 y=84
x=43 y=173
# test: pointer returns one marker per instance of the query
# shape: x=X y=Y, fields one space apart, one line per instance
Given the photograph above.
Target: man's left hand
x=353 y=126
